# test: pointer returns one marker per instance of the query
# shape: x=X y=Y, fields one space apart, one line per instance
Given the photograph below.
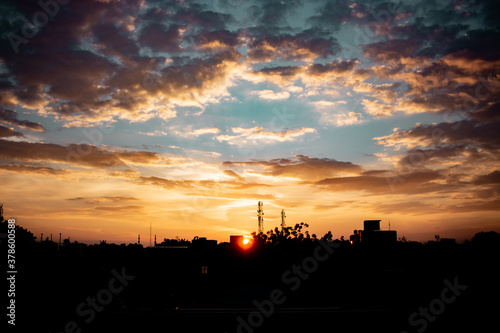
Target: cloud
x=162 y=39
x=392 y=51
x=9 y=117
x=387 y=92
x=95 y=200
x=233 y=174
x=271 y=95
x=306 y=46
x=257 y=136
x=460 y=132
x=332 y=15
x=215 y=40
x=336 y=113
x=275 y=13
x=112 y=75
x=155 y=133
x=404 y=183
x=119 y=208
x=338 y=68
x=301 y=167
x=162 y=182
x=377 y=109
x=189 y=132
x=143 y=157
x=34 y=169
x=8 y=132
x=491 y=178
x=76 y=154
x=80 y=154
x=475 y=206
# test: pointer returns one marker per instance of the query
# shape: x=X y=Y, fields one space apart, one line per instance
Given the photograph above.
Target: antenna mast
x=260 y=215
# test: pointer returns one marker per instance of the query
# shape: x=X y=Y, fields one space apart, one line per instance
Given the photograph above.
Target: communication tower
x=260 y=215
x=283 y=217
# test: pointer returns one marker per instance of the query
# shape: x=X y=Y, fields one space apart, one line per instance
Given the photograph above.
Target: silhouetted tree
x=488 y=239
x=327 y=237
x=175 y=242
x=287 y=235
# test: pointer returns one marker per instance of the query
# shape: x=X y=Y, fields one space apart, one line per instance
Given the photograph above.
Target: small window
x=204 y=270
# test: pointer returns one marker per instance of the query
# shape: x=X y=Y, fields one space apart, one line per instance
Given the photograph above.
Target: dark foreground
x=408 y=287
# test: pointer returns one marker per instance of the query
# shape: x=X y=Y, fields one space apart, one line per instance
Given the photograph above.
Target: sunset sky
x=115 y=114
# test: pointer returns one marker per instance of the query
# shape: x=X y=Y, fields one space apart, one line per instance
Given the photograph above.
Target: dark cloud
x=7 y=132
x=302 y=167
x=80 y=154
x=139 y=156
x=404 y=183
x=464 y=132
x=9 y=117
x=390 y=50
x=480 y=43
x=339 y=67
x=419 y=159
x=115 y=40
x=195 y=14
x=332 y=15
x=491 y=178
x=34 y=169
x=455 y=147
x=160 y=38
x=276 y=12
x=306 y=44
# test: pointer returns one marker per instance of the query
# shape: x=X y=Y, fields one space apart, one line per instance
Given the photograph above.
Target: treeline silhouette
x=199 y=288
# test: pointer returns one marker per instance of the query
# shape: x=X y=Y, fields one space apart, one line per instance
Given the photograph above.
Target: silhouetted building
x=371 y=225
x=372 y=235
x=203 y=242
x=448 y=241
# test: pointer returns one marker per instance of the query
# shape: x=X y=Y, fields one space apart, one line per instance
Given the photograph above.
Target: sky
x=118 y=116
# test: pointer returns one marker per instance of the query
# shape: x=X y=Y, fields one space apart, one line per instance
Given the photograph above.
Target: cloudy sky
x=115 y=114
